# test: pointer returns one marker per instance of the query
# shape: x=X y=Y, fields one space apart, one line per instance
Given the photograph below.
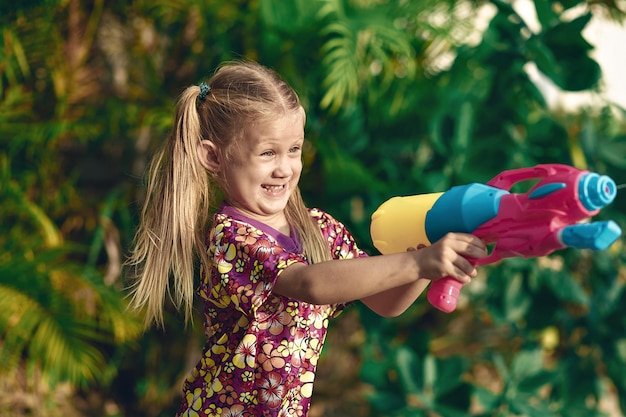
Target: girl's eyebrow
x=273 y=142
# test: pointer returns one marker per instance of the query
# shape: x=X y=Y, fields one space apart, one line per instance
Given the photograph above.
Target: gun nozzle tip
x=597 y=191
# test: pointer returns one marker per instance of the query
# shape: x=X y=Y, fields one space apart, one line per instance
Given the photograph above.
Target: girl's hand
x=448 y=257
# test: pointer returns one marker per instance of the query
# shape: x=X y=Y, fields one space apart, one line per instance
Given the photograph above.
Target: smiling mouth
x=274 y=189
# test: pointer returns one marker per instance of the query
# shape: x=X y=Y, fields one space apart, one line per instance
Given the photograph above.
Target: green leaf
x=408 y=366
x=526 y=364
x=532 y=383
x=517 y=301
x=565 y=287
x=455 y=402
x=374 y=373
x=449 y=374
x=541 y=54
x=53 y=316
x=529 y=406
x=345 y=173
x=545 y=13
x=572 y=68
x=567 y=35
x=614 y=152
x=386 y=401
x=488 y=400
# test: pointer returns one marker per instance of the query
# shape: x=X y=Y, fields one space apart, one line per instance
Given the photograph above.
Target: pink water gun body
x=532 y=224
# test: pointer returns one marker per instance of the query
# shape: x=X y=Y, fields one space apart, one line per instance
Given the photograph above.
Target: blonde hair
x=180 y=192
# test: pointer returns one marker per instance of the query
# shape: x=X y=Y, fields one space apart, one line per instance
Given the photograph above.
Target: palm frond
x=369 y=47
x=61 y=320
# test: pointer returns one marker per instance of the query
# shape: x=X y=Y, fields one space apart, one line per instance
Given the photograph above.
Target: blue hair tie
x=204 y=90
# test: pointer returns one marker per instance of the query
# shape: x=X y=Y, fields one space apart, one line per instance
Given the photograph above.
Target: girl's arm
x=388 y=284
x=393 y=302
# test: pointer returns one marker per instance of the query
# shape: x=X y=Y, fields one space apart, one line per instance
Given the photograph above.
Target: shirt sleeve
x=341 y=244
x=247 y=263
x=340 y=241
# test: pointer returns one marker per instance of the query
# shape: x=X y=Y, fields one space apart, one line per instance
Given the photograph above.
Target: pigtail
x=170 y=236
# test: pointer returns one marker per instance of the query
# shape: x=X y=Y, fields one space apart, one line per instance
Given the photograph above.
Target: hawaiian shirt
x=262 y=349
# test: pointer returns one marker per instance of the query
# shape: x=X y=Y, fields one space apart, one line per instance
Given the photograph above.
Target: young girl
x=272 y=271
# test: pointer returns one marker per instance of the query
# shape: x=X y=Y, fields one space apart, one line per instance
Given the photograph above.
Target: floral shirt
x=262 y=348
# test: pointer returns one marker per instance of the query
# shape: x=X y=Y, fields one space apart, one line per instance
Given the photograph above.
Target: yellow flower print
x=247 y=376
x=229 y=367
x=213 y=411
x=285 y=263
x=245 y=354
x=220 y=346
x=223 y=340
x=220 y=299
x=299 y=321
x=293 y=307
x=313 y=353
x=194 y=399
x=209 y=366
x=190 y=413
x=256 y=271
x=284 y=348
x=246 y=397
x=215 y=387
x=213 y=383
x=193 y=375
x=242 y=323
x=217 y=235
x=307 y=384
x=255 y=397
x=298 y=349
x=239 y=266
x=223 y=255
x=217 y=232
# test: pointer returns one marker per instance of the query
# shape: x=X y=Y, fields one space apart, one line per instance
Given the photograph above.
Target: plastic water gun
x=546 y=218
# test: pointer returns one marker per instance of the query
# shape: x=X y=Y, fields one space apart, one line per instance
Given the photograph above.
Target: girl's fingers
x=449 y=257
x=474 y=247
x=465 y=270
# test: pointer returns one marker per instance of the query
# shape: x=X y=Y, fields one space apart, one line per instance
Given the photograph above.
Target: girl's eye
x=295 y=149
x=267 y=153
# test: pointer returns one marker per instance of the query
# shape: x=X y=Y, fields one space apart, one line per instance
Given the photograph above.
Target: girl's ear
x=209 y=155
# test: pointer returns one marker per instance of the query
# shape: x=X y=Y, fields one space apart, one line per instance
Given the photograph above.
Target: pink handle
x=443 y=294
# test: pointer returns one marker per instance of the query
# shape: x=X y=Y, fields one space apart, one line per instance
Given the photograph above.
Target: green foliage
x=401 y=98
x=57 y=313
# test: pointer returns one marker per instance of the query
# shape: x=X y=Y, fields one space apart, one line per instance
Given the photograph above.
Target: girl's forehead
x=281 y=120
x=285 y=127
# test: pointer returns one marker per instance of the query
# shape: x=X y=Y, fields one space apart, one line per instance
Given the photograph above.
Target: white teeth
x=273 y=188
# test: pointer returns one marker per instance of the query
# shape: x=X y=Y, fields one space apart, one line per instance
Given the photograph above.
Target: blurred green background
x=403 y=97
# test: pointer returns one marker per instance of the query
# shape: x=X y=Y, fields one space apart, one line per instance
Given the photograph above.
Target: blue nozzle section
x=596 y=191
x=596 y=235
x=546 y=190
x=462 y=209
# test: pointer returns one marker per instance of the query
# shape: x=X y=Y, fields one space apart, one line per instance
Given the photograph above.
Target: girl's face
x=265 y=169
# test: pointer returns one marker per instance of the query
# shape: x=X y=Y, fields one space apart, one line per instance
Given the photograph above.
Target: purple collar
x=289 y=243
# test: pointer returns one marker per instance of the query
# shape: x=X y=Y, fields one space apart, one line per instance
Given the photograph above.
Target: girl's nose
x=283 y=167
